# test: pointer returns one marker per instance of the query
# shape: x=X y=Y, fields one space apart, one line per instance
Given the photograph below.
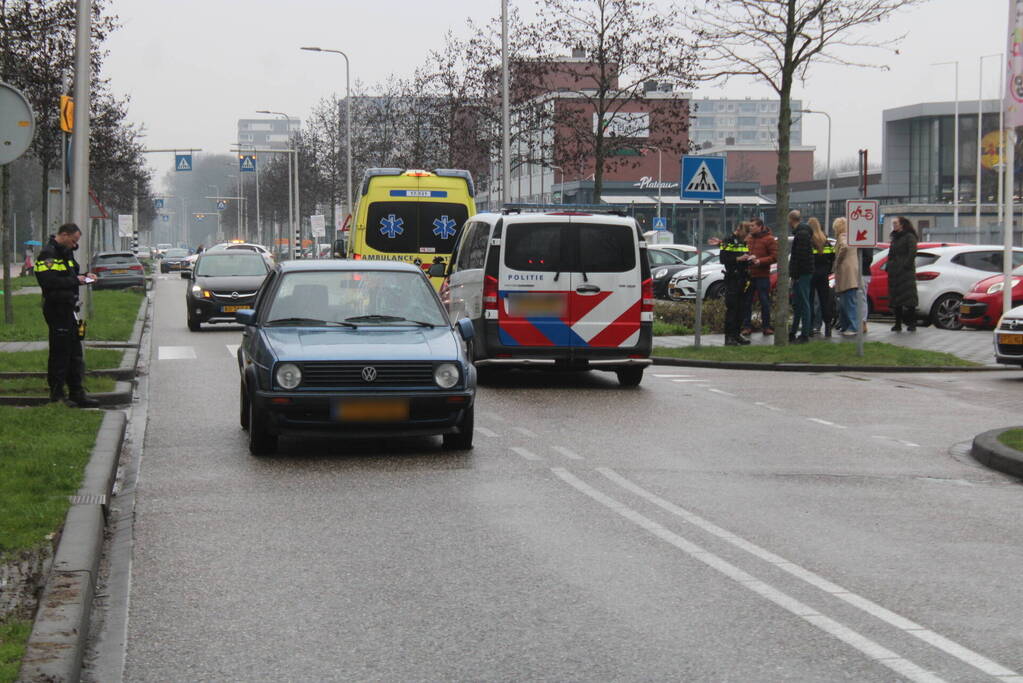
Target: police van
x=562 y=290
x=411 y=215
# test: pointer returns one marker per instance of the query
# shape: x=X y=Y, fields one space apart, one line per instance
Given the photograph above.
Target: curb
x=55 y=648
x=807 y=367
x=989 y=451
x=120 y=396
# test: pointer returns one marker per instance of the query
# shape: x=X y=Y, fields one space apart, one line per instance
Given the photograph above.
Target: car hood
x=981 y=286
x=362 y=343
x=237 y=283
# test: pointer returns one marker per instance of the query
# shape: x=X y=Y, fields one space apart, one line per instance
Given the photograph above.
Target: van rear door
x=606 y=284
x=534 y=284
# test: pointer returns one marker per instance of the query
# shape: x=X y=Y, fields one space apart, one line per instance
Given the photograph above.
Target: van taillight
x=648 y=296
x=490 y=293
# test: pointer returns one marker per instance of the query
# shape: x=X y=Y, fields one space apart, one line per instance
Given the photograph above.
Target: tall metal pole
x=1010 y=191
x=955 y=151
x=80 y=140
x=980 y=137
x=699 y=282
x=1001 y=143
x=827 y=185
x=348 y=120
x=505 y=115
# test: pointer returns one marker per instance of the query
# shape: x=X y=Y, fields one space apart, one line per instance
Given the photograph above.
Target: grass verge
x=35 y=361
x=36 y=386
x=113 y=318
x=42 y=466
x=13 y=637
x=819 y=353
x=1012 y=438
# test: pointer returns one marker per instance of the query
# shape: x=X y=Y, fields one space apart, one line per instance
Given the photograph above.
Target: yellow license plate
x=119 y=271
x=1010 y=339
x=964 y=309
x=538 y=304
x=232 y=309
x=384 y=410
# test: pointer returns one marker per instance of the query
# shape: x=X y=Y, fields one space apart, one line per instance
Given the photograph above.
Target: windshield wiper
x=386 y=319
x=308 y=321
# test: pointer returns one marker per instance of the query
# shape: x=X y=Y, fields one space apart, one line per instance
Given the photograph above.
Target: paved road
x=708 y=526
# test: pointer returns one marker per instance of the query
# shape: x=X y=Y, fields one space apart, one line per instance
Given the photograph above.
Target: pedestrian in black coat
x=901 y=267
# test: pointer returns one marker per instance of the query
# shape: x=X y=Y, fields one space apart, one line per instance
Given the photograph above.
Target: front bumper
x=316 y=414
x=216 y=310
x=973 y=313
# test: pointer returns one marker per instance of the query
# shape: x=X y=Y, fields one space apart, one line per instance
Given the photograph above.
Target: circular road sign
x=17 y=124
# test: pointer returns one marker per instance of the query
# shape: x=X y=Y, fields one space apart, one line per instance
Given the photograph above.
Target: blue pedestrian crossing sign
x=247 y=163
x=158 y=203
x=182 y=162
x=221 y=205
x=166 y=218
x=660 y=223
x=703 y=178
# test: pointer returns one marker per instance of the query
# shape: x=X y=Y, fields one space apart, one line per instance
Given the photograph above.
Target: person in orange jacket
x=763 y=248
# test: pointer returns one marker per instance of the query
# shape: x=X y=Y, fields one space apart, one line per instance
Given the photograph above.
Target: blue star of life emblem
x=392 y=226
x=445 y=227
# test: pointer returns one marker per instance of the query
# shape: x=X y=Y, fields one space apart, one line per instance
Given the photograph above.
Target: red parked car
x=982 y=305
x=877 y=291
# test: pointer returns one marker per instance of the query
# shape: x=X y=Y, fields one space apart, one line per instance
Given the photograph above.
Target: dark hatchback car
x=354 y=349
x=117 y=269
x=174 y=259
x=222 y=283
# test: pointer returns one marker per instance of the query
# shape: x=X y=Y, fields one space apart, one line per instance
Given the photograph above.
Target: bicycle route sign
x=862 y=216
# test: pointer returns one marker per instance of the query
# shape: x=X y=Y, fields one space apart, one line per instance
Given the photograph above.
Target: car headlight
x=196 y=290
x=446 y=375
x=288 y=375
x=1000 y=285
x=660 y=273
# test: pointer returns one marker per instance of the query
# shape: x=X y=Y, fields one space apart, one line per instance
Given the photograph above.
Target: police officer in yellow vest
x=58 y=275
x=735 y=256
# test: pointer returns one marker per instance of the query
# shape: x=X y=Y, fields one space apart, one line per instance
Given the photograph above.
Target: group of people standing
x=749 y=252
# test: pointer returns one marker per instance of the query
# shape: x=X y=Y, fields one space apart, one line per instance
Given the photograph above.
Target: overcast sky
x=194 y=67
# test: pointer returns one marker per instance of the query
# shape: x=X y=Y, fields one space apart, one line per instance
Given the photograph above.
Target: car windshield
x=115 y=258
x=369 y=297
x=694 y=259
x=175 y=253
x=228 y=265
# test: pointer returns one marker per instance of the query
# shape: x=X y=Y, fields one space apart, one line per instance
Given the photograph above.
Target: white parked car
x=682 y=286
x=945 y=274
x=1008 y=338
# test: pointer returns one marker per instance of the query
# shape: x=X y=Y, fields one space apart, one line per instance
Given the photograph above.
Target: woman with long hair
x=823 y=261
x=901 y=267
x=847 y=265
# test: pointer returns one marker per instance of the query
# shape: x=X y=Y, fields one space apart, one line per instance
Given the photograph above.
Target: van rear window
x=606 y=248
x=414 y=227
x=536 y=246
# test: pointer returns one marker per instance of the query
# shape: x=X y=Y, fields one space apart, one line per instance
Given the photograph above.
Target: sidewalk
x=972 y=345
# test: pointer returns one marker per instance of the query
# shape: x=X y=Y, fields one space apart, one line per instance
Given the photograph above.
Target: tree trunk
x=44 y=228
x=5 y=237
x=781 y=317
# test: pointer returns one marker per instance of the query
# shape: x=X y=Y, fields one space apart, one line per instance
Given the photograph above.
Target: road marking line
x=175 y=352
x=682 y=381
x=528 y=455
x=525 y=432
x=658 y=375
x=871 y=649
x=970 y=657
x=892 y=438
x=768 y=406
x=571 y=455
x=486 y=432
x=825 y=422
x=233 y=349
x=723 y=393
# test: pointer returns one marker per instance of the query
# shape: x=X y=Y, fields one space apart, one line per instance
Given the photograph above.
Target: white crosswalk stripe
x=175 y=353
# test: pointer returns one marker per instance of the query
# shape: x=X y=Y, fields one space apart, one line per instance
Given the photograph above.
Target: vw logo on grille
x=234 y=295
x=369 y=373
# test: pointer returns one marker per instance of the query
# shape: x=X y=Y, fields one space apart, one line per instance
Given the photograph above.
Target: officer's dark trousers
x=736 y=305
x=66 y=364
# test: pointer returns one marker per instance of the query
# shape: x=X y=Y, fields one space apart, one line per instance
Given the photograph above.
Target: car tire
x=630 y=376
x=193 y=323
x=462 y=441
x=945 y=312
x=715 y=291
x=261 y=441
x=243 y=406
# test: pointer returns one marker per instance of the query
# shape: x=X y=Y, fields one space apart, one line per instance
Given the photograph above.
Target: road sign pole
x=699 y=279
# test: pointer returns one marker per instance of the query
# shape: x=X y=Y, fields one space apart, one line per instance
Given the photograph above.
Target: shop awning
x=626 y=199
x=737 y=200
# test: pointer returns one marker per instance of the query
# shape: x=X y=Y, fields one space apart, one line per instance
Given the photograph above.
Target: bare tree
x=776 y=41
x=624 y=44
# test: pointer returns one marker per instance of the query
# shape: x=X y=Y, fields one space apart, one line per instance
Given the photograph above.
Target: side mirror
x=437 y=270
x=246 y=316
x=186 y=275
x=466 y=329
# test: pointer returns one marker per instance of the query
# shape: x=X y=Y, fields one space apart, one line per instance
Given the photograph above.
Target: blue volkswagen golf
x=356 y=349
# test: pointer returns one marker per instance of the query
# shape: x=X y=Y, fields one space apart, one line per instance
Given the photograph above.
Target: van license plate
x=358 y=410
x=1011 y=339
x=536 y=305
x=232 y=309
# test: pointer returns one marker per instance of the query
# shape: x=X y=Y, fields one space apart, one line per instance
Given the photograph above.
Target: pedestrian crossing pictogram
x=703 y=180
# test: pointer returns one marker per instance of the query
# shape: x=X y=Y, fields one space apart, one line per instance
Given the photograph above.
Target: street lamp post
x=348 y=122
x=955 y=151
x=827 y=191
x=659 y=178
x=293 y=209
x=980 y=137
